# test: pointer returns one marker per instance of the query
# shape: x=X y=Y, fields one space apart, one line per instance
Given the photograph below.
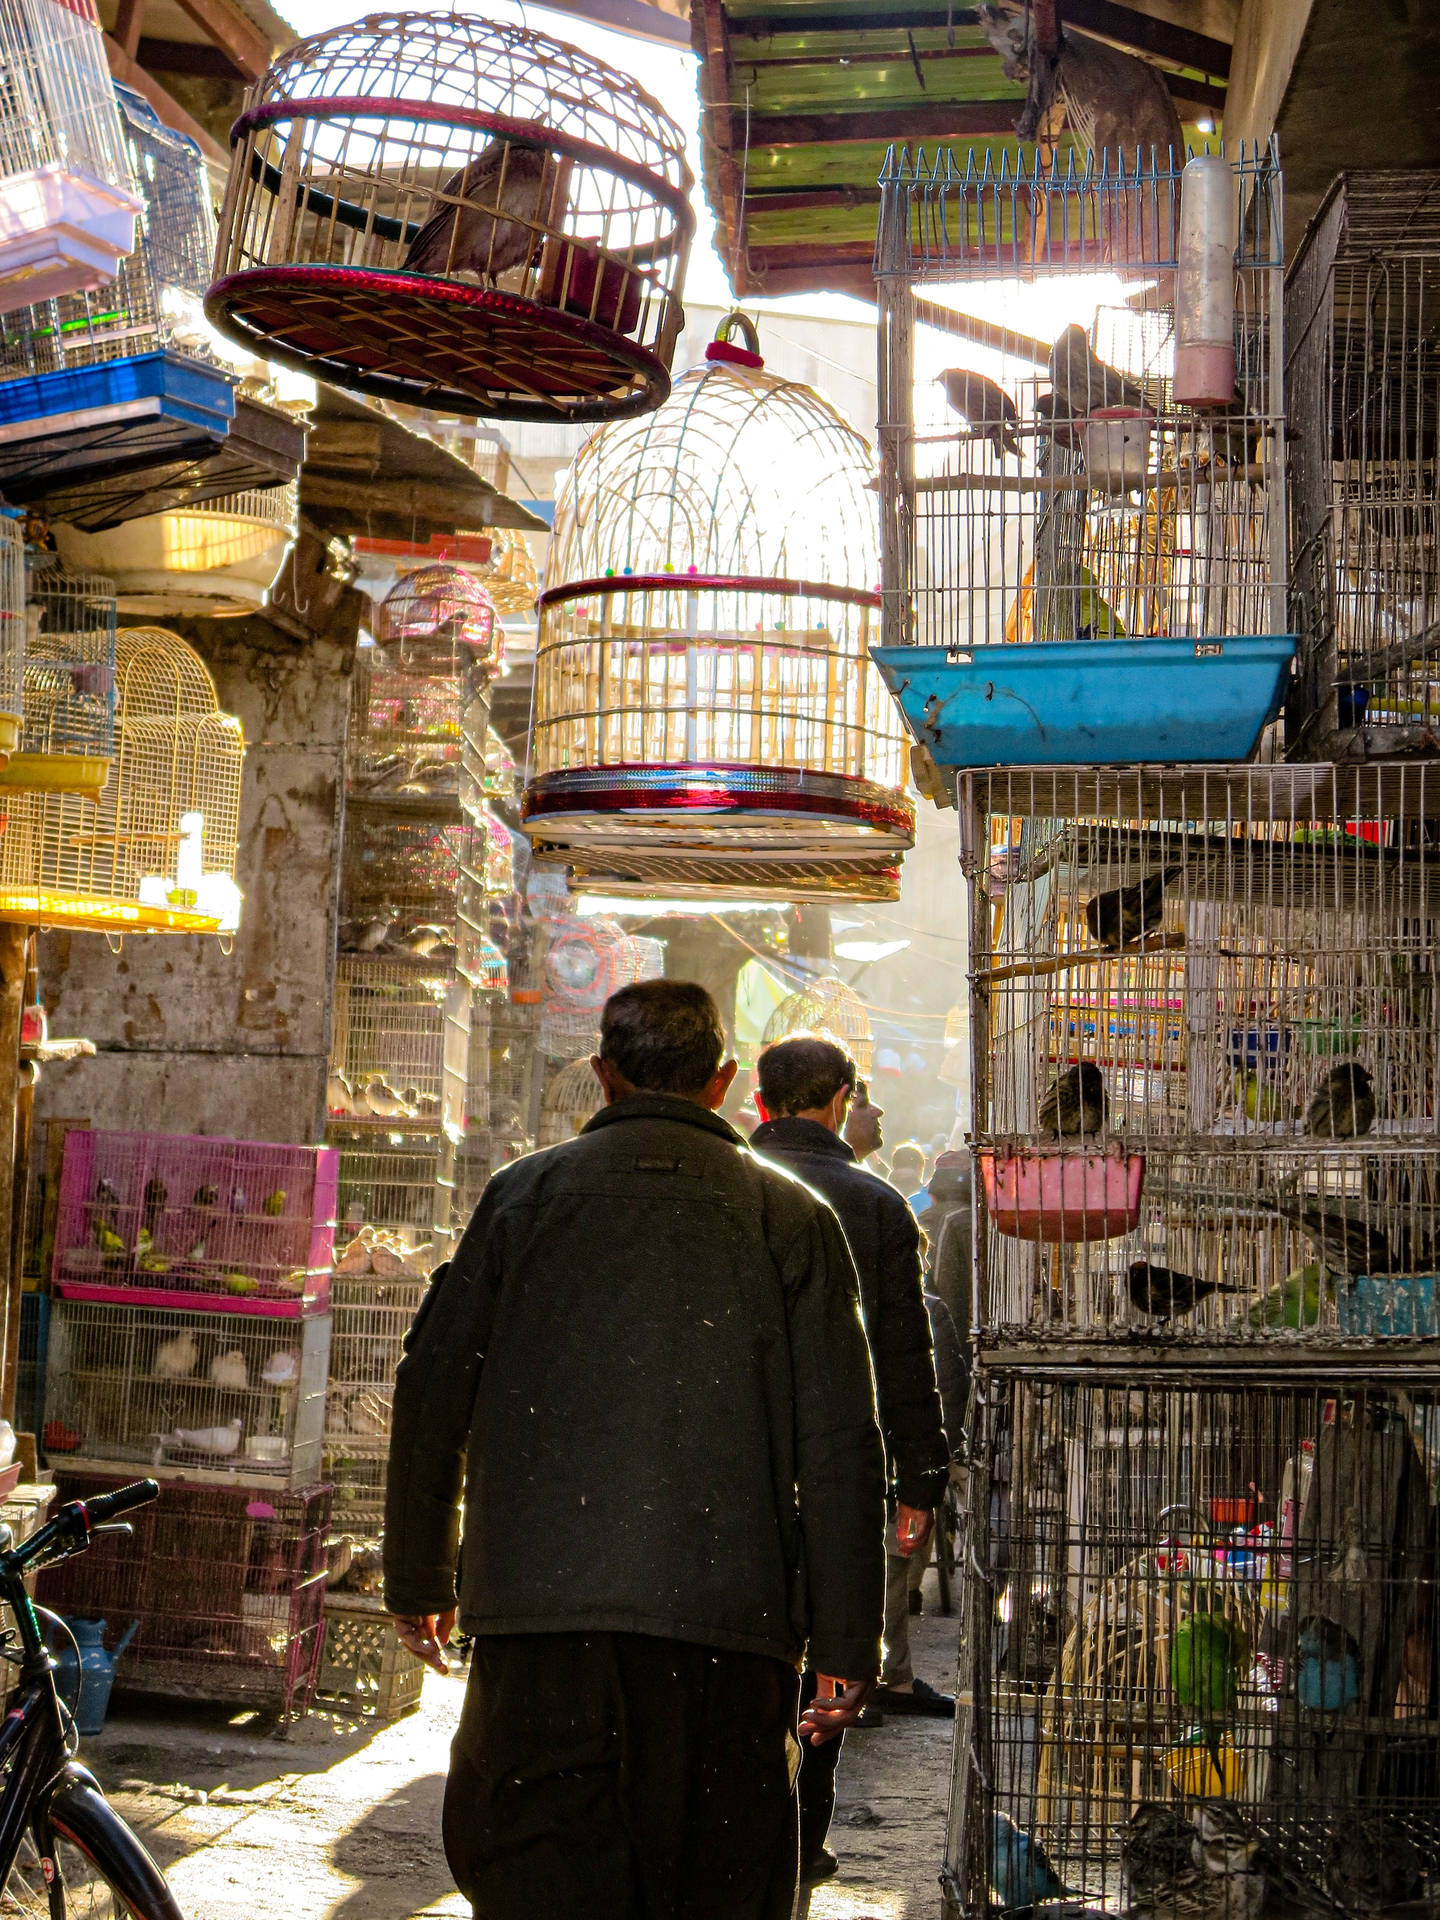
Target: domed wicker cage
x=571 y=1097
x=67 y=196
x=510 y=576
x=67 y=737
x=829 y=1006
x=461 y=214
x=707 y=718
x=12 y=628
x=155 y=297
x=155 y=850
x=215 y=560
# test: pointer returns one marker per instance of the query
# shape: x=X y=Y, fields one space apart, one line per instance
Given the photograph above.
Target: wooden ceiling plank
x=1142 y=33
x=229 y=30
x=891 y=123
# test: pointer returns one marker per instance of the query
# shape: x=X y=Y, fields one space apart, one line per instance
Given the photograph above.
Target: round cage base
x=10 y=725
x=720 y=811
x=439 y=344
x=679 y=876
x=93 y=913
x=82 y=773
x=154 y=600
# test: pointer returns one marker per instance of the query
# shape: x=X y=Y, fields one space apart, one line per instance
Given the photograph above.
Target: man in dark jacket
x=646 y=1356
x=804 y=1088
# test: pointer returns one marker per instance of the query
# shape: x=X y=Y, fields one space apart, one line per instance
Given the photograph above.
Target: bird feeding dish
x=458 y=214
x=1155 y=699
x=1117 y=448
x=1063 y=1198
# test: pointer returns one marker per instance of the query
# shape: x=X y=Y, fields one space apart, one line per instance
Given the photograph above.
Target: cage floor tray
x=1063 y=1197
x=1090 y=702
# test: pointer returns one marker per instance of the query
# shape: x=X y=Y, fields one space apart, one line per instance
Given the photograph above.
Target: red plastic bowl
x=1232 y=1513
x=1060 y=1197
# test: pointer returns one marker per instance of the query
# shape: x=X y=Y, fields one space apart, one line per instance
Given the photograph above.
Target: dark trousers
x=624 y=1777
x=817 y=1782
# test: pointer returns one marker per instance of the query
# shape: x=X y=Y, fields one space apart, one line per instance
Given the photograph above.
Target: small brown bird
x=1082 y=382
x=1077 y=1103
x=1122 y=914
x=474 y=236
x=1343 y=1105
x=983 y=405
x=1165 y=1294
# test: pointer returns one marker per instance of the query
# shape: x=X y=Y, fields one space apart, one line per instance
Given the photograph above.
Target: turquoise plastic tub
x=1402 y=1304
x=1090 y=702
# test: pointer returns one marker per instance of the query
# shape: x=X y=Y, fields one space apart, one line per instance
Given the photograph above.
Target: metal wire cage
x=155 y=298
x=1091 y=554
x=387 y=1040
x=704 y=697
x=571 y=1097
x=370 y=1320
x=155 y=849
x=510 y=576
x=1201 y=1637
x=213 y=560
x=69 y=201
x=67 y=739
x=1363 y=388
x=586 y=960
x=829 y=1006
x=12 y=629
x=1205 y=1039
x=466 y=215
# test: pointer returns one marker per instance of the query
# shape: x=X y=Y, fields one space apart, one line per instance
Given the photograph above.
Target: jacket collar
x=663 y=1106
x=800 y=1136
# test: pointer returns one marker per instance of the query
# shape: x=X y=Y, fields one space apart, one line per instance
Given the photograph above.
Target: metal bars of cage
x=1363 y=390
x=1203 y=1635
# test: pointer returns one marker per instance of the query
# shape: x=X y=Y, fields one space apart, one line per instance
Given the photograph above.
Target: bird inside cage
x=492 y=215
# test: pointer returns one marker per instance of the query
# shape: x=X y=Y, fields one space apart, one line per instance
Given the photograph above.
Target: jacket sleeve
x=905 y=1387
x=952 y=1370
x=435 y=1387
x=839 y=1461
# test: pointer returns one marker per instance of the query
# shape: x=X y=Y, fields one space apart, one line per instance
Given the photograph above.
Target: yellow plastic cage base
x=56 y=772
x=92 y=913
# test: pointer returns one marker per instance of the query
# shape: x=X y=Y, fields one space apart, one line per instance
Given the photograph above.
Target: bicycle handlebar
x=105 y=1507
x=70 y=1529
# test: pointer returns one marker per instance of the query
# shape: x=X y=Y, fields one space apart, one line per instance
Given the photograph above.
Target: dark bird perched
x=1155 y=1852
x=1371 y=1863
x=983 y=405
x=156 y=1196
x=1167 y=1295
x=505 y=178
x=1076 y=1103
x=1056 y=424
x=1082 y=383
x=1122 y=914
x=1349 y=1246
x=1343 y=1105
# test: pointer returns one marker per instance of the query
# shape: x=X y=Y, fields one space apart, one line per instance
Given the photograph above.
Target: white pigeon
x=282 y=1369
x=370 y=1413
x=339 y=1095
x=228 y=1370
x=217 y=1440
x=383 y=1100
x=175 y=1359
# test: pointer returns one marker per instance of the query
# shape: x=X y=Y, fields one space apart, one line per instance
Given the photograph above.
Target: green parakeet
x=1207 y=1653
x=1295 y=1303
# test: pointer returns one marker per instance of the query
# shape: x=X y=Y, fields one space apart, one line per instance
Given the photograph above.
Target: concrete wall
x=191 y=1040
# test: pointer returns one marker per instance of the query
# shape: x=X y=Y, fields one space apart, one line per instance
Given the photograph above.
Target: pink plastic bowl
x=1062 y=1197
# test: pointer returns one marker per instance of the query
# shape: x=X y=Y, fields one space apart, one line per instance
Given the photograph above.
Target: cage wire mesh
x=387 y=1040
x=572 y=1096
x=1362 y=301
x=1202 y=1635
x=228 y=1588
x=67 y=680
x=1084 y=499
x=65 y=176
x=704 y=645
x=586 y=960
x=400 y=879
x=458 y=213
x=1205 y=1053
x=154 y=301
x=370 y=1319
x=828 y=1006
x=389 y=1183
x=155 y=849
x=12 y=628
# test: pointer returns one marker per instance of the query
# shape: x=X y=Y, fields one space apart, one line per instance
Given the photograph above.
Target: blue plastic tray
x=1404 y=1304
x=1090 y=702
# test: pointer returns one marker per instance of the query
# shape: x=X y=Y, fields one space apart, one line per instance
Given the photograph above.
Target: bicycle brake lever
x=114 y=1526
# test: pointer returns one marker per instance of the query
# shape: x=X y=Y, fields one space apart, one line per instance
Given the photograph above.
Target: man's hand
x=425 y=1634
x=913 y=1527
x=837 y=1705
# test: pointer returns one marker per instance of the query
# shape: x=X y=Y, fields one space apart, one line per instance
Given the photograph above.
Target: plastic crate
x=1390 y=1305
x=190 y=1221
x=364 y=1668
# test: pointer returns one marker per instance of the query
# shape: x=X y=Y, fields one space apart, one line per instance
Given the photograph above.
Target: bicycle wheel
x=104 y=1873
x=85 y=1892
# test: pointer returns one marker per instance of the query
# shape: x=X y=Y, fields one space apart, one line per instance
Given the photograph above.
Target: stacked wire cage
x=707 y=720
x=1083 y=540
x=1362 y=302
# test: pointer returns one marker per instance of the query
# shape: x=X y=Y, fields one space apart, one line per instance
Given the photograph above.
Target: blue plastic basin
x=1090 y=702
x=1402 y=1305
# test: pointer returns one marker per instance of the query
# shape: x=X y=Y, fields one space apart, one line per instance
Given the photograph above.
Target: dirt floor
x=341 y=1820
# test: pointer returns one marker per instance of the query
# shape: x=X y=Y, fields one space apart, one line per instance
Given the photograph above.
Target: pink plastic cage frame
x=137 y=1224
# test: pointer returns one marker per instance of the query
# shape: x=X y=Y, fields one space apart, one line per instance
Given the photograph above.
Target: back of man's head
x=663 y=1036
x=802 y=1073
x=908 y=1158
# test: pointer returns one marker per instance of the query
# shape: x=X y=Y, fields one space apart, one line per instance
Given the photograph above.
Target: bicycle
x=65 y=1854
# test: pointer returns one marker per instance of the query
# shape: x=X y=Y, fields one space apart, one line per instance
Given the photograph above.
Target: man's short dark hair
x=663 y=1036
x=803 y=1072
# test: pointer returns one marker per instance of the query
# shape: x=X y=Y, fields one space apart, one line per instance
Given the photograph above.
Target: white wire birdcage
x=1085 y=561
x=1363 y=392
x=67 y=193
x=387 y=1040
x=214 y=560
x=1206 y=1031
x=704 y=696
x=572 y=1096
x=828 y=1006
x=67 y=738
x=12 y=628
x=155 y=849
x=586 y=960
x=458 y=213
x=155 y=298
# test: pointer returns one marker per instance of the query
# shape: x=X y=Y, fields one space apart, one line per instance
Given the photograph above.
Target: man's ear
x=760 y=1106
x=615 y=1085
x=714 y=1094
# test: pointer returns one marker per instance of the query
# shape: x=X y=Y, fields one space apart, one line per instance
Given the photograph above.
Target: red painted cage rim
x=847 y=794
x=532 y=133
x=710 y=582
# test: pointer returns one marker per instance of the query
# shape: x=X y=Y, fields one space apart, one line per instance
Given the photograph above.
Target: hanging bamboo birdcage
x=12 y=628
x=67 y=195
x=154 y=300
x=705 y=705
x=827 y=1006
x=509 y=576
x=215 y=560
x=571 y=1097
x=155 y=849
x=460 y=214
x=67 y=739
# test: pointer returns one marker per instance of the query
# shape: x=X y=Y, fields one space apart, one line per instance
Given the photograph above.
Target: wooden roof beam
x=227 y=28
x=131 y=74
x=1140 y=32
x=883 y=123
